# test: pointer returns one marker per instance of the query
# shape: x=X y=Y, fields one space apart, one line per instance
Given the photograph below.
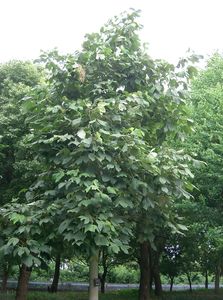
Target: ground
x=120 y=295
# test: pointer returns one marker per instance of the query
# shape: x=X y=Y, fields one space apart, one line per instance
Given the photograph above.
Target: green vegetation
x=111 y=169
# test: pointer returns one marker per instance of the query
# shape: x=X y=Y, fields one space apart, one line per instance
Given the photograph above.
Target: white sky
x=170 y=26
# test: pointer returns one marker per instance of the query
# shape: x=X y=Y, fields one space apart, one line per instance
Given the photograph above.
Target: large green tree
x=98 y=130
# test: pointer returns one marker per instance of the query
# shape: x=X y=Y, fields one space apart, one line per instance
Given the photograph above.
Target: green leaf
x=58 y=176
x=17 y=218
x=162 y=180
x=124 y=203
x=62 y=184
x=87 y=141
x=73 y=106
x=182 y=227
x=22 y=251
x=101 y=240
x=165 y=189
x=76 y=121
x=36 y=261
x=81 y=134
x=13 y=241
x=28 y=105
x=111 y=190
x=28 y=261
x=103 y=123
x=90 y=228
x=64 y=225
x=114 y=248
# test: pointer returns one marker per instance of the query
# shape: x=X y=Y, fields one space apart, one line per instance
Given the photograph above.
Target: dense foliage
x=97 y=155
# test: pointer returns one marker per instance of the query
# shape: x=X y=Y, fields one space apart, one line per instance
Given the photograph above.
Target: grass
x=195 y=295
x=119 y=295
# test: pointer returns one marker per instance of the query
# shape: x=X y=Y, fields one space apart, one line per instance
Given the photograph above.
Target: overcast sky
x=170 y=26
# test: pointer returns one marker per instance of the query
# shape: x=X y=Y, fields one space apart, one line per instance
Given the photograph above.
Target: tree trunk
x=93 y=275
x=151 y=281
x=189 y=281
x=217 y=279
x=105 y=271
x=157 y=281
x=171 y=284
x=156 y=273
x=102 y=279
x=144 y=263
x=54 y=286
x=206 y=279
x=5 y=277
x=22 y=287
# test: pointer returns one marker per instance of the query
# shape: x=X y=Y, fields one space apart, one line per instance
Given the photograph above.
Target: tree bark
x=189 y=281
x=156 y=273
x=93 y=274
x=56 y=276
x=206 y=279
x=5 y=277
x=102 y=279
x=171 y=284
x=217 y=279
x=105 y=271
x=151 y=281
x=144 y=263
x=157 y=281
x=22 y=287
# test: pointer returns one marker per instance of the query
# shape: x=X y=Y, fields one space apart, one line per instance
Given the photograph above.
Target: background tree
x=17 y=79
x=206 y=142
x=170 y=265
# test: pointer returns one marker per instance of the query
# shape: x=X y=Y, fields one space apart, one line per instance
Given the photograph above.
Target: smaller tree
x=24 y=240
x=170 y=263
